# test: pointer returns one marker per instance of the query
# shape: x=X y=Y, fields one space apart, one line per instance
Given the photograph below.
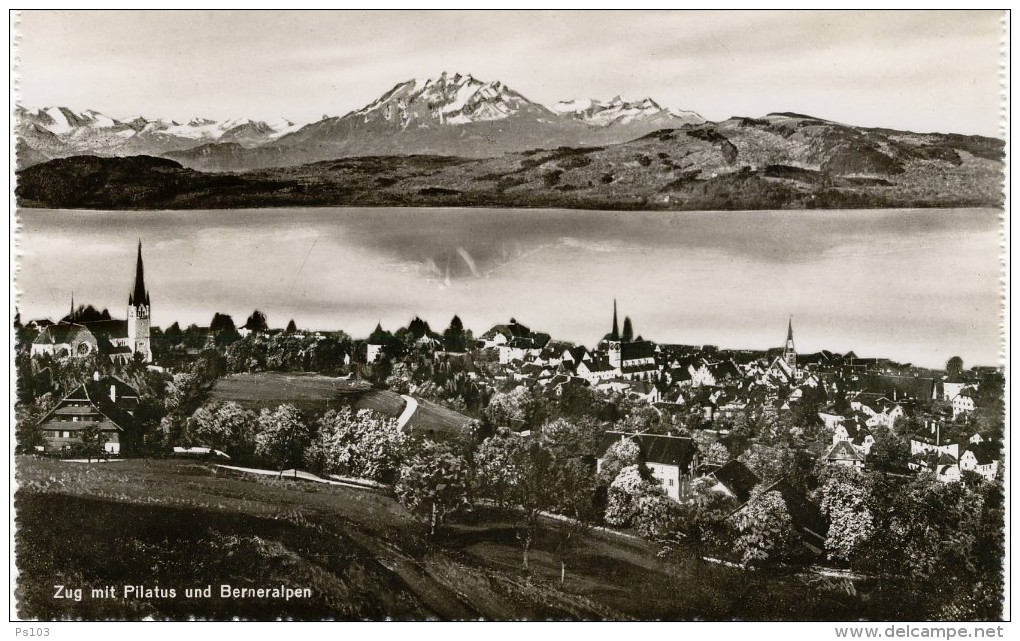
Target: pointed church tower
x=139 y=313
x=611 y=343
x=789 y=353
x=615 y=335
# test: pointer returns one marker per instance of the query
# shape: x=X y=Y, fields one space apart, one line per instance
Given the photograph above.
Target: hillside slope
x=178 y=524
x=781 y=161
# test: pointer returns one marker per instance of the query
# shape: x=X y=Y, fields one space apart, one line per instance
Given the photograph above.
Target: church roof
x=59 y=334
x=108 y=328
x=635 y=350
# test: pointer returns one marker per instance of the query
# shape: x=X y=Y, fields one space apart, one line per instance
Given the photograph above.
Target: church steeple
x=789 y=352
x=139 y=296
x=615 y=335
x=139 y=313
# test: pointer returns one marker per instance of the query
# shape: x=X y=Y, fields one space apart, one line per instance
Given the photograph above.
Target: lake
x=915 y=285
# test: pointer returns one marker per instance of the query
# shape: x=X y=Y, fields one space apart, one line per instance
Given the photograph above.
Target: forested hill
x=782 y=161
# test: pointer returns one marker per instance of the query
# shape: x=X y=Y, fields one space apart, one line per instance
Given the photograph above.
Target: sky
x=913 y=70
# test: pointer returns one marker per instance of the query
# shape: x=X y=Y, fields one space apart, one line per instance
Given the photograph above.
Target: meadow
x=178 y=524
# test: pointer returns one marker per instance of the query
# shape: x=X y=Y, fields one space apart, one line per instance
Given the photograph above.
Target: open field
x=310 y=392
x=178 y=524
x=315 y=393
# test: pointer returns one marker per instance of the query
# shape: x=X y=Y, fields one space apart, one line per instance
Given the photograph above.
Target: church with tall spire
x=621 y=355
x=86 y=333
x=139 y=313
x=789 y=351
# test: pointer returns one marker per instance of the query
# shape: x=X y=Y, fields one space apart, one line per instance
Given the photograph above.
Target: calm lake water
x=917 y=285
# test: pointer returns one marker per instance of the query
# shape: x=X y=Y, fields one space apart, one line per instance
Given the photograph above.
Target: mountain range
x=451 y=114
x=458 y=141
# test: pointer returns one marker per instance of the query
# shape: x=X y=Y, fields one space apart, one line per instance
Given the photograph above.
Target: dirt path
x=409 y=410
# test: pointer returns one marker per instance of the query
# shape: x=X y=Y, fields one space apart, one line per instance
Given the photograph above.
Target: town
x=766 y=459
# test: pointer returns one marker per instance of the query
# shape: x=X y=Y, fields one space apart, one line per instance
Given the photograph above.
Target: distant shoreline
x=493 y=208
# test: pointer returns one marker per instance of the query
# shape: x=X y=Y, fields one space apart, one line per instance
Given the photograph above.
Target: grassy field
x=309 y=392
x=179 y=524
x=315 y=394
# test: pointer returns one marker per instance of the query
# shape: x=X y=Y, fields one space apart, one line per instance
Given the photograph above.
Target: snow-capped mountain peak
x=91 y=131
x=620 y=111
x=448 y=99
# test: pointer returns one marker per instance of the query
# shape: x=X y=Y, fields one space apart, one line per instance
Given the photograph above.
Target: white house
x=672 y=460
x=844 y=453
x=950 y=390
x=981 y=458
x=963 y=403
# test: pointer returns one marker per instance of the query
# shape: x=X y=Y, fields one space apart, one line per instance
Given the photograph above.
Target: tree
x=621 y=454
x=222 y=323
x=225 y=426
x=86 y=314
x=954 y=368
x=360 y=444
x=27 y=416
x=890 y=451
x=702 y=524
x=455 y=338
x=257 y=322
x=173 y=332
x=772 y=463
x=846 y=498
x=281 y=436
x=91 y=442
x=515 y=472
x=932 y=530
x=511 y=409
x=766 y=535
x=628 y=494
x=433 y=483
x=716 y=453
x=628 y=330
x=656 y=514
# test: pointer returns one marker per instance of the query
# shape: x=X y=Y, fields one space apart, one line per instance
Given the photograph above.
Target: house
x=950 y=390
x=645 y=391
x=856 y=434
x=879 y=409
x=805 y=514
x=595 y=371
x=671 y=459
x=503 y=334
x=560 y=382
x=930 y=440
x=830 y=418
x=982 y=457
x=376 y=343
x=108 y=407
x=844 y=453
x=965 y=402
x=734 y=479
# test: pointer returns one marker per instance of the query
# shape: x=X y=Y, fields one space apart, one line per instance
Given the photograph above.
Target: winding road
x=409 y=410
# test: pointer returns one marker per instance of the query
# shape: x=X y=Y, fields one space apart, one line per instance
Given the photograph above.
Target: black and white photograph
x=520 y=315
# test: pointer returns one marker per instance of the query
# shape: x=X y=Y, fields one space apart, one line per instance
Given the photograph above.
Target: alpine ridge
x=450 y=114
